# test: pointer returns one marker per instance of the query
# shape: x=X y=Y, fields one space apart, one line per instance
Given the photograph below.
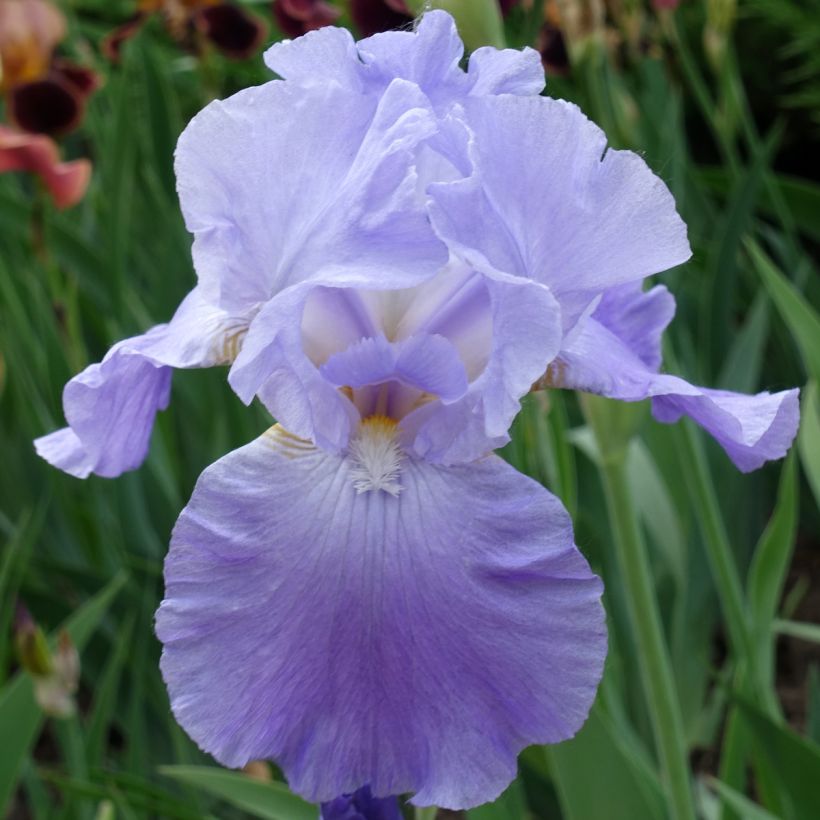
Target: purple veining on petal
x=352 y=622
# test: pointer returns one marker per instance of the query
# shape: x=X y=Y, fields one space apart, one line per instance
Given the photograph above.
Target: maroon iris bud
x=297 y=17
x=553 y=49
x=373 y=16
x=232 y=30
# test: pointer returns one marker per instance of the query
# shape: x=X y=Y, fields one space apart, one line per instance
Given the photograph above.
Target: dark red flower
x=233 y=31
x=553 y=49
x=297 y=17
x=373 y=16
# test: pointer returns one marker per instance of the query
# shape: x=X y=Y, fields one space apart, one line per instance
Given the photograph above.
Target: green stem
x=656 y=669
x=718 y=549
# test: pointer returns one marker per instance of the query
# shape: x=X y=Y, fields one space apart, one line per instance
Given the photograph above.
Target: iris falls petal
x=409 y=643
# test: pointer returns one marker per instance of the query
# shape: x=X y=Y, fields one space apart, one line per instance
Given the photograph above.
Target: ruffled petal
x=427 y=56
x=413 y=644
x=319 y=58
x=281 y=184
x=506 y=71
x=545 y=202
x=751 y=429
x=111 y=406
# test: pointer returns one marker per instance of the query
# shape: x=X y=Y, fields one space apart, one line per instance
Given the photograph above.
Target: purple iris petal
x=413 y=643
x=428 y=57
x=273 y=195
x=361 y=805
x=752 y=429
x=110 y=407
x=427 y=362
x=638 y=318
x=545 y=202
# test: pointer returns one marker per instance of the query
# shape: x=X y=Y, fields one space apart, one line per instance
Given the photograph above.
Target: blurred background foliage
x=722 y=98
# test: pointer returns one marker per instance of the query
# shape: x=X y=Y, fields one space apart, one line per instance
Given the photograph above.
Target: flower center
x=376 y=456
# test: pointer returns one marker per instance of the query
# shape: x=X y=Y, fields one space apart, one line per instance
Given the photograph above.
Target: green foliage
x=72 y=283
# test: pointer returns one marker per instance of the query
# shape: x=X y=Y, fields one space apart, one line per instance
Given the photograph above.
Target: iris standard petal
x=506 y=71
x=412 y=643
x=550 y=202
x=427 y=56
x=111 y=406
x=751 y=429
x=279 y=183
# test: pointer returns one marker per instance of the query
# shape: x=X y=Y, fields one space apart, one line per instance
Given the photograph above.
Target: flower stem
x=718 y=549
x=655 y=665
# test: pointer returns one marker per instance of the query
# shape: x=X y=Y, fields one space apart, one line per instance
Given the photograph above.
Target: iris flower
x=390 y=252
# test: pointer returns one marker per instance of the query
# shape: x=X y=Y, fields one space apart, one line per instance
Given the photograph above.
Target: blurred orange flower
x=44 y=94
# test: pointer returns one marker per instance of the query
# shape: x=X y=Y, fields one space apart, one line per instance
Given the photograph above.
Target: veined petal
x=280 y=184
x=413 y=644
x=426 y=361
x=548 y=201
x=751 y=429
x=111 y=406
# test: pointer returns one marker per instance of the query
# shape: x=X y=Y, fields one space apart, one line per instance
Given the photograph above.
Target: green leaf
x=20 y=716
x=793 y=760
x=271 y=801
x=767 y=573
x=512 y=805
x=808 y=437
x=623 y=788
x=796 y=629
x=800 y=318
x=741 y=804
